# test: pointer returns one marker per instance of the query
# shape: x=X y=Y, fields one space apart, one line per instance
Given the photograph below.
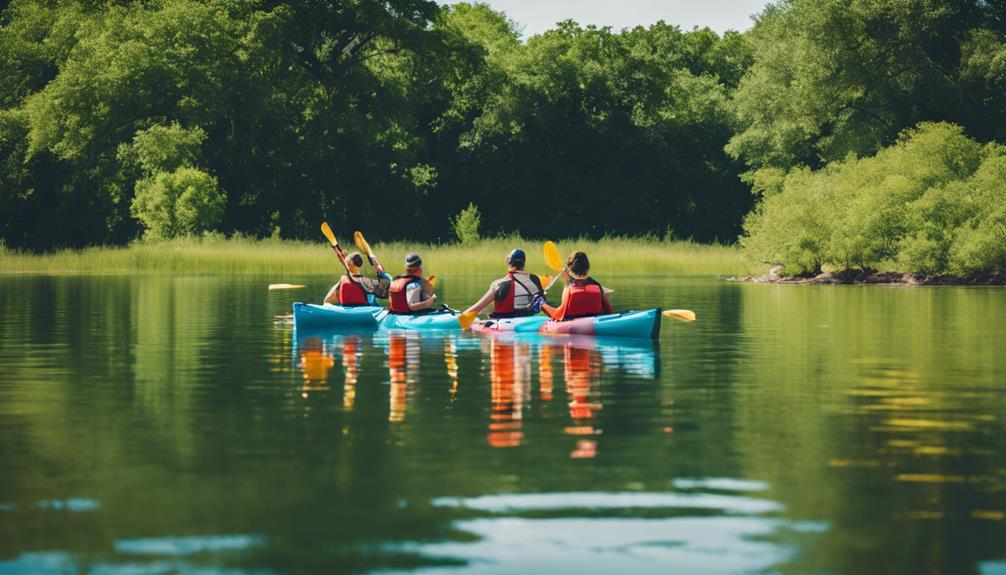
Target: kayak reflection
x=509 y=377
x=573 y=370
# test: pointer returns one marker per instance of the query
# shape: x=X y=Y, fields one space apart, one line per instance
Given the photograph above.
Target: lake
x=160 y=424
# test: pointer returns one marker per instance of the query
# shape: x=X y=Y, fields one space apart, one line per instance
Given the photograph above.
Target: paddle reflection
x=315 y=363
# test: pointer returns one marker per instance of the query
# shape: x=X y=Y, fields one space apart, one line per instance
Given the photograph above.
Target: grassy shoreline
x=288 y=257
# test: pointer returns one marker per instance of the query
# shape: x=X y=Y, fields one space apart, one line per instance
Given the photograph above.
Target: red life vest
x=585 y=299
x=397 y=298
x=503 y=302
x=351 y=293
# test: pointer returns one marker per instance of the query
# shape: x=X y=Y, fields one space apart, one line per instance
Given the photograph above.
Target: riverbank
x=288 y=258
x=855 y=276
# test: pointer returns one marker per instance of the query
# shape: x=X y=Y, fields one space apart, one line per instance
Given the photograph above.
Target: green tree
x=466 y=225
x=835 y=77
x=181 y=202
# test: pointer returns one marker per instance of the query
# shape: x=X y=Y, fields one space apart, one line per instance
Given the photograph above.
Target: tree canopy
x=387 y=115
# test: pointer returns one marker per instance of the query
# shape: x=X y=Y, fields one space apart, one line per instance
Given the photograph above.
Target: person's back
x=353 y=289
x=409 y=293
x=516 y=294
x=583 y=296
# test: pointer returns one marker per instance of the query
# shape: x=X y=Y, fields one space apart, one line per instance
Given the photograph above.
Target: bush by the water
x=933 y=203
x=466 y=224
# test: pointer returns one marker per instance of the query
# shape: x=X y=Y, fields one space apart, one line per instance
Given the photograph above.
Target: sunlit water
x=156 y=424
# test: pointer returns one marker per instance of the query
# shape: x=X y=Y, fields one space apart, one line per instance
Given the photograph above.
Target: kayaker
x=517 y=294
x=411 y=293
x=583 y=296
x=353 y=289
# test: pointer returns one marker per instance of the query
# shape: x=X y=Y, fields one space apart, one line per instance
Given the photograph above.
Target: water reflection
x=516 y=362
x=149 y=408
x=509 y=381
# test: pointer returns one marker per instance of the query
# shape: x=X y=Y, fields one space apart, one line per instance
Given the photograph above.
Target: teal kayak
x=329 y=316
x=432 y=321
x=635 y=324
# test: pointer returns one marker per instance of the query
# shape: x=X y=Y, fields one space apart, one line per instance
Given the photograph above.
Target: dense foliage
x=835 y=80
x=935 y=203
x=423 y=122
x=264 y=117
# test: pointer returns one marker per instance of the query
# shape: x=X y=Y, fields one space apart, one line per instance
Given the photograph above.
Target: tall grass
x=284 y=259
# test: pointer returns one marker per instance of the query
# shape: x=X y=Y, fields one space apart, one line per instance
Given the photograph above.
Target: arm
x=561 y=310
x=482 y=303
x=418 y=293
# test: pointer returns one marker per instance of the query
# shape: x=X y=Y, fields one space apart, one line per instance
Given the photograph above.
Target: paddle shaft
x=555 y=279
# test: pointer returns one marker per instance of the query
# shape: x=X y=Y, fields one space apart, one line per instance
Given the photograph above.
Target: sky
x=536 y=16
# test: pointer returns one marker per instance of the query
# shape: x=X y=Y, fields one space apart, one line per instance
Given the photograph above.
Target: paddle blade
x=682 y=314
x=432 y=280
x=466 y=320
x=325 y=229
x=361 y=243
x=547 y=280
x=552 y=256
x=284 y=286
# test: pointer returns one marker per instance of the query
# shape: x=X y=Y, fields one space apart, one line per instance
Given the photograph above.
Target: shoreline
x=860 y=277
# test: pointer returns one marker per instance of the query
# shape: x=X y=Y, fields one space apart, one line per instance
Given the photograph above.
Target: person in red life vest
x=583 y=296
x=411 y=293
x=515 y=294
x=353 y=289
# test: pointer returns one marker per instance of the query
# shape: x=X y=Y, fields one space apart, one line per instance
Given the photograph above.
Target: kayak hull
x=632 y=324
x=435 y=321
x=329 y=316
x=511 y=324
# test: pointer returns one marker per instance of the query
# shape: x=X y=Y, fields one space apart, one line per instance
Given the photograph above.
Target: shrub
x=927 y=204
x=466 y=224
x=172 y=204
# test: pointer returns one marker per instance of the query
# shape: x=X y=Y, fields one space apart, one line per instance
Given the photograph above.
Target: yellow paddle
x=327 y=230
x=364 y=247
x=467 y=319
x=284 y=286
x=552 y=256
x=682 y=314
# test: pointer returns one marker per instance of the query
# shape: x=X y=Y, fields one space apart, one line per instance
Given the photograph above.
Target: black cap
x=517 y=258
x=413 y=261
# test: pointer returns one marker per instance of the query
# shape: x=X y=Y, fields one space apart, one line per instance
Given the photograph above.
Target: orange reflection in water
x=315 y=365
x=546 y=376
x=451 y=361
x=351 y=353
x=509 y=368
x=580 y=372
x=403 y=367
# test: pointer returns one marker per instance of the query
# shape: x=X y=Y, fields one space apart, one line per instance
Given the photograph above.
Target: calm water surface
x=157 y=424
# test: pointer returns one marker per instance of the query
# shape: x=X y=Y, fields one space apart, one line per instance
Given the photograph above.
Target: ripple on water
x=560 y=532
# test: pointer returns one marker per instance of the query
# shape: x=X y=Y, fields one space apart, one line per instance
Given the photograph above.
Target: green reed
x=285 y=259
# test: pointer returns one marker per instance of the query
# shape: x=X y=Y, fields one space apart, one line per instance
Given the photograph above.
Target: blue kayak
x=433 y=321
x=635 y=324
x=631 y=324
x=329 y=316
